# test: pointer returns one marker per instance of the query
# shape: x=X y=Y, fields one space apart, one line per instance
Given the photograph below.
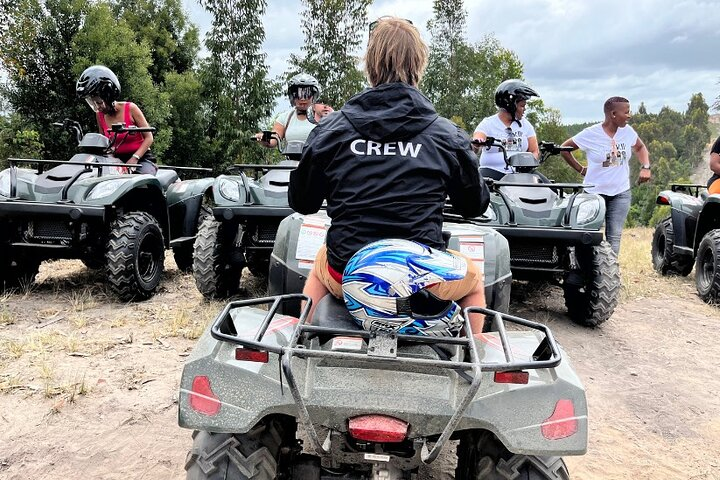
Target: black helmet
x=509 y=92
x=98 y=81
x=303 y=85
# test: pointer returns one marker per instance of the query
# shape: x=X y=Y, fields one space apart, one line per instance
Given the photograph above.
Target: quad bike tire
x=591 y=293
x=665 y=262
x=135 y=256
x=183 y=254
x=254 y=455
x=707 y=267
x=482 y=457
x=216 y=274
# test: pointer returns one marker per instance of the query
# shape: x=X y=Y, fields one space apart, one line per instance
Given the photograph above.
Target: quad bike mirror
x=71 y=126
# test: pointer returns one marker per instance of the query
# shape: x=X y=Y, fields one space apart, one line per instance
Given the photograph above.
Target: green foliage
x=163 y=26
x=575 y=128
x=461 y=81
x=333 y=31
x=237 y=92
x=17 y=140
x=35 y=39
x=187 y=120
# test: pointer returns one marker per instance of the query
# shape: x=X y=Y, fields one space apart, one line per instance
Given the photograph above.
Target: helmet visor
x=96 y=103
x=303 y=93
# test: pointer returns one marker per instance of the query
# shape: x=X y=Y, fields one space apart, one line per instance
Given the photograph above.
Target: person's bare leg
x=476 y=298
x=315 y=289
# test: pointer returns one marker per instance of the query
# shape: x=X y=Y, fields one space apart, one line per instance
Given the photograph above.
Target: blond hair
x=395 y=53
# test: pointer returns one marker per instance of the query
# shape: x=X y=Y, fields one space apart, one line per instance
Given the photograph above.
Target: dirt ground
x=89 y=386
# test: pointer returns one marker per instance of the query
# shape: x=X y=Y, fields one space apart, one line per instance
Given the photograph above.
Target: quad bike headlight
x=229 y=189
x=105 y=189
x=588 y=210
x=5 y=183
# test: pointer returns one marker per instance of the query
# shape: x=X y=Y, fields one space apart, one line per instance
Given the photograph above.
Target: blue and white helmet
x=384 y=286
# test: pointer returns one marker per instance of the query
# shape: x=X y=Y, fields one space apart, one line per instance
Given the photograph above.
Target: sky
x=575 y=53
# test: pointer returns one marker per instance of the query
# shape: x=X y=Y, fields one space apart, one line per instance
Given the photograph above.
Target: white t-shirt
x=514 y=138
x=608 y=158
x=296 y=129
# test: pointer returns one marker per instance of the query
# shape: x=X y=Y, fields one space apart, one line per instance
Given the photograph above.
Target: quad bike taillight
x=378 y=428
x=202 y=398
x=519 y=377
x=251 y=355
x=562 y=423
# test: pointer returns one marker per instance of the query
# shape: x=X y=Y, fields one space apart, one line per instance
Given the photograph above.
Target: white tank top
x=295 y=129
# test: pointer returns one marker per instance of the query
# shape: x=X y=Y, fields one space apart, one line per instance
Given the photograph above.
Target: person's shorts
x=454 y=290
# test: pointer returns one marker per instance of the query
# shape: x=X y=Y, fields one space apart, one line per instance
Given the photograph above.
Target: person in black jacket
x=386 y=163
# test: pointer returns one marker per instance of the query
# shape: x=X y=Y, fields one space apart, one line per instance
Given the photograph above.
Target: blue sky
x=575 y=53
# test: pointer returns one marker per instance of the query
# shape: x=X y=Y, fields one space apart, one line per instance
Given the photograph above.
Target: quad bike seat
x=166 y=177
x=331 y=313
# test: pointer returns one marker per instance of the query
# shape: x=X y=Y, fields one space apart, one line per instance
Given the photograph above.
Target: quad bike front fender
x=708 y=219
x=184 y=200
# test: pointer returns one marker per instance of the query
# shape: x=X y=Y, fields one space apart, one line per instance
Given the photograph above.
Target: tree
x=35 y=51
x=235 y=83
x=478 y=70
x=445 y=82
x=333 y=32
x=188 y=120
x=163 y=26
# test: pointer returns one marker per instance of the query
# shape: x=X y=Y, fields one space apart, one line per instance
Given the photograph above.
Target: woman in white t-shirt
x=294 y=125
x=609 y=146
x=516 y=134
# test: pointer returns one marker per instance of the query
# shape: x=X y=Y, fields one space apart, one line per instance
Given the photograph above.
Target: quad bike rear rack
x=690 y=188
x=382 y=348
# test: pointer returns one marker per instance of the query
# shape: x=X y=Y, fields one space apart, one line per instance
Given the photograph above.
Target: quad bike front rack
x=88 y=168
x=383 y=348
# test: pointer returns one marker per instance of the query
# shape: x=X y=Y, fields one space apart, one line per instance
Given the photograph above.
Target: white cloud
x=575 y=53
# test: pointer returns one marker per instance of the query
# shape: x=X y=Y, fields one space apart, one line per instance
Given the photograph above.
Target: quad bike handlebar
x=71 y=126
x=546 y=148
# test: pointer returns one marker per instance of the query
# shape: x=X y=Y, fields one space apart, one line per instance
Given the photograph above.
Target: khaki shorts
x=454 y=290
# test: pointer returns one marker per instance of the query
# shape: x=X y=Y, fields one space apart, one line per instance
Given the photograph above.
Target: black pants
x=146 y=164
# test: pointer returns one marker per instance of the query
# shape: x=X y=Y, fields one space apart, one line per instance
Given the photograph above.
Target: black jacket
x=386 y=163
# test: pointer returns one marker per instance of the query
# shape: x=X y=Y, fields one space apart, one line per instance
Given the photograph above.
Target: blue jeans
x=616 y=211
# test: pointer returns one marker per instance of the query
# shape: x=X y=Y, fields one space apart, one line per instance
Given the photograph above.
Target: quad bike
x=299 y=238
x=244 y=222
x=690 y=235
x=92 y=209
x=555 y=234
x=373 y=404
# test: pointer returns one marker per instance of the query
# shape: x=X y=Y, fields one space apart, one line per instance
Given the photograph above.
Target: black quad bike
x=555 y=234
x=690 y=236
x=92 y=209
x=245 y=217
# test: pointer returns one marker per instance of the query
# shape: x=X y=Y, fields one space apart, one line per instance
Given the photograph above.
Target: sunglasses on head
x=375 y=23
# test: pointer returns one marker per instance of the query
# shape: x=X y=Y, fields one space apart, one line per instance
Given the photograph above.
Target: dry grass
x=640 y=280
x=6 y=316
x=188 y=321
